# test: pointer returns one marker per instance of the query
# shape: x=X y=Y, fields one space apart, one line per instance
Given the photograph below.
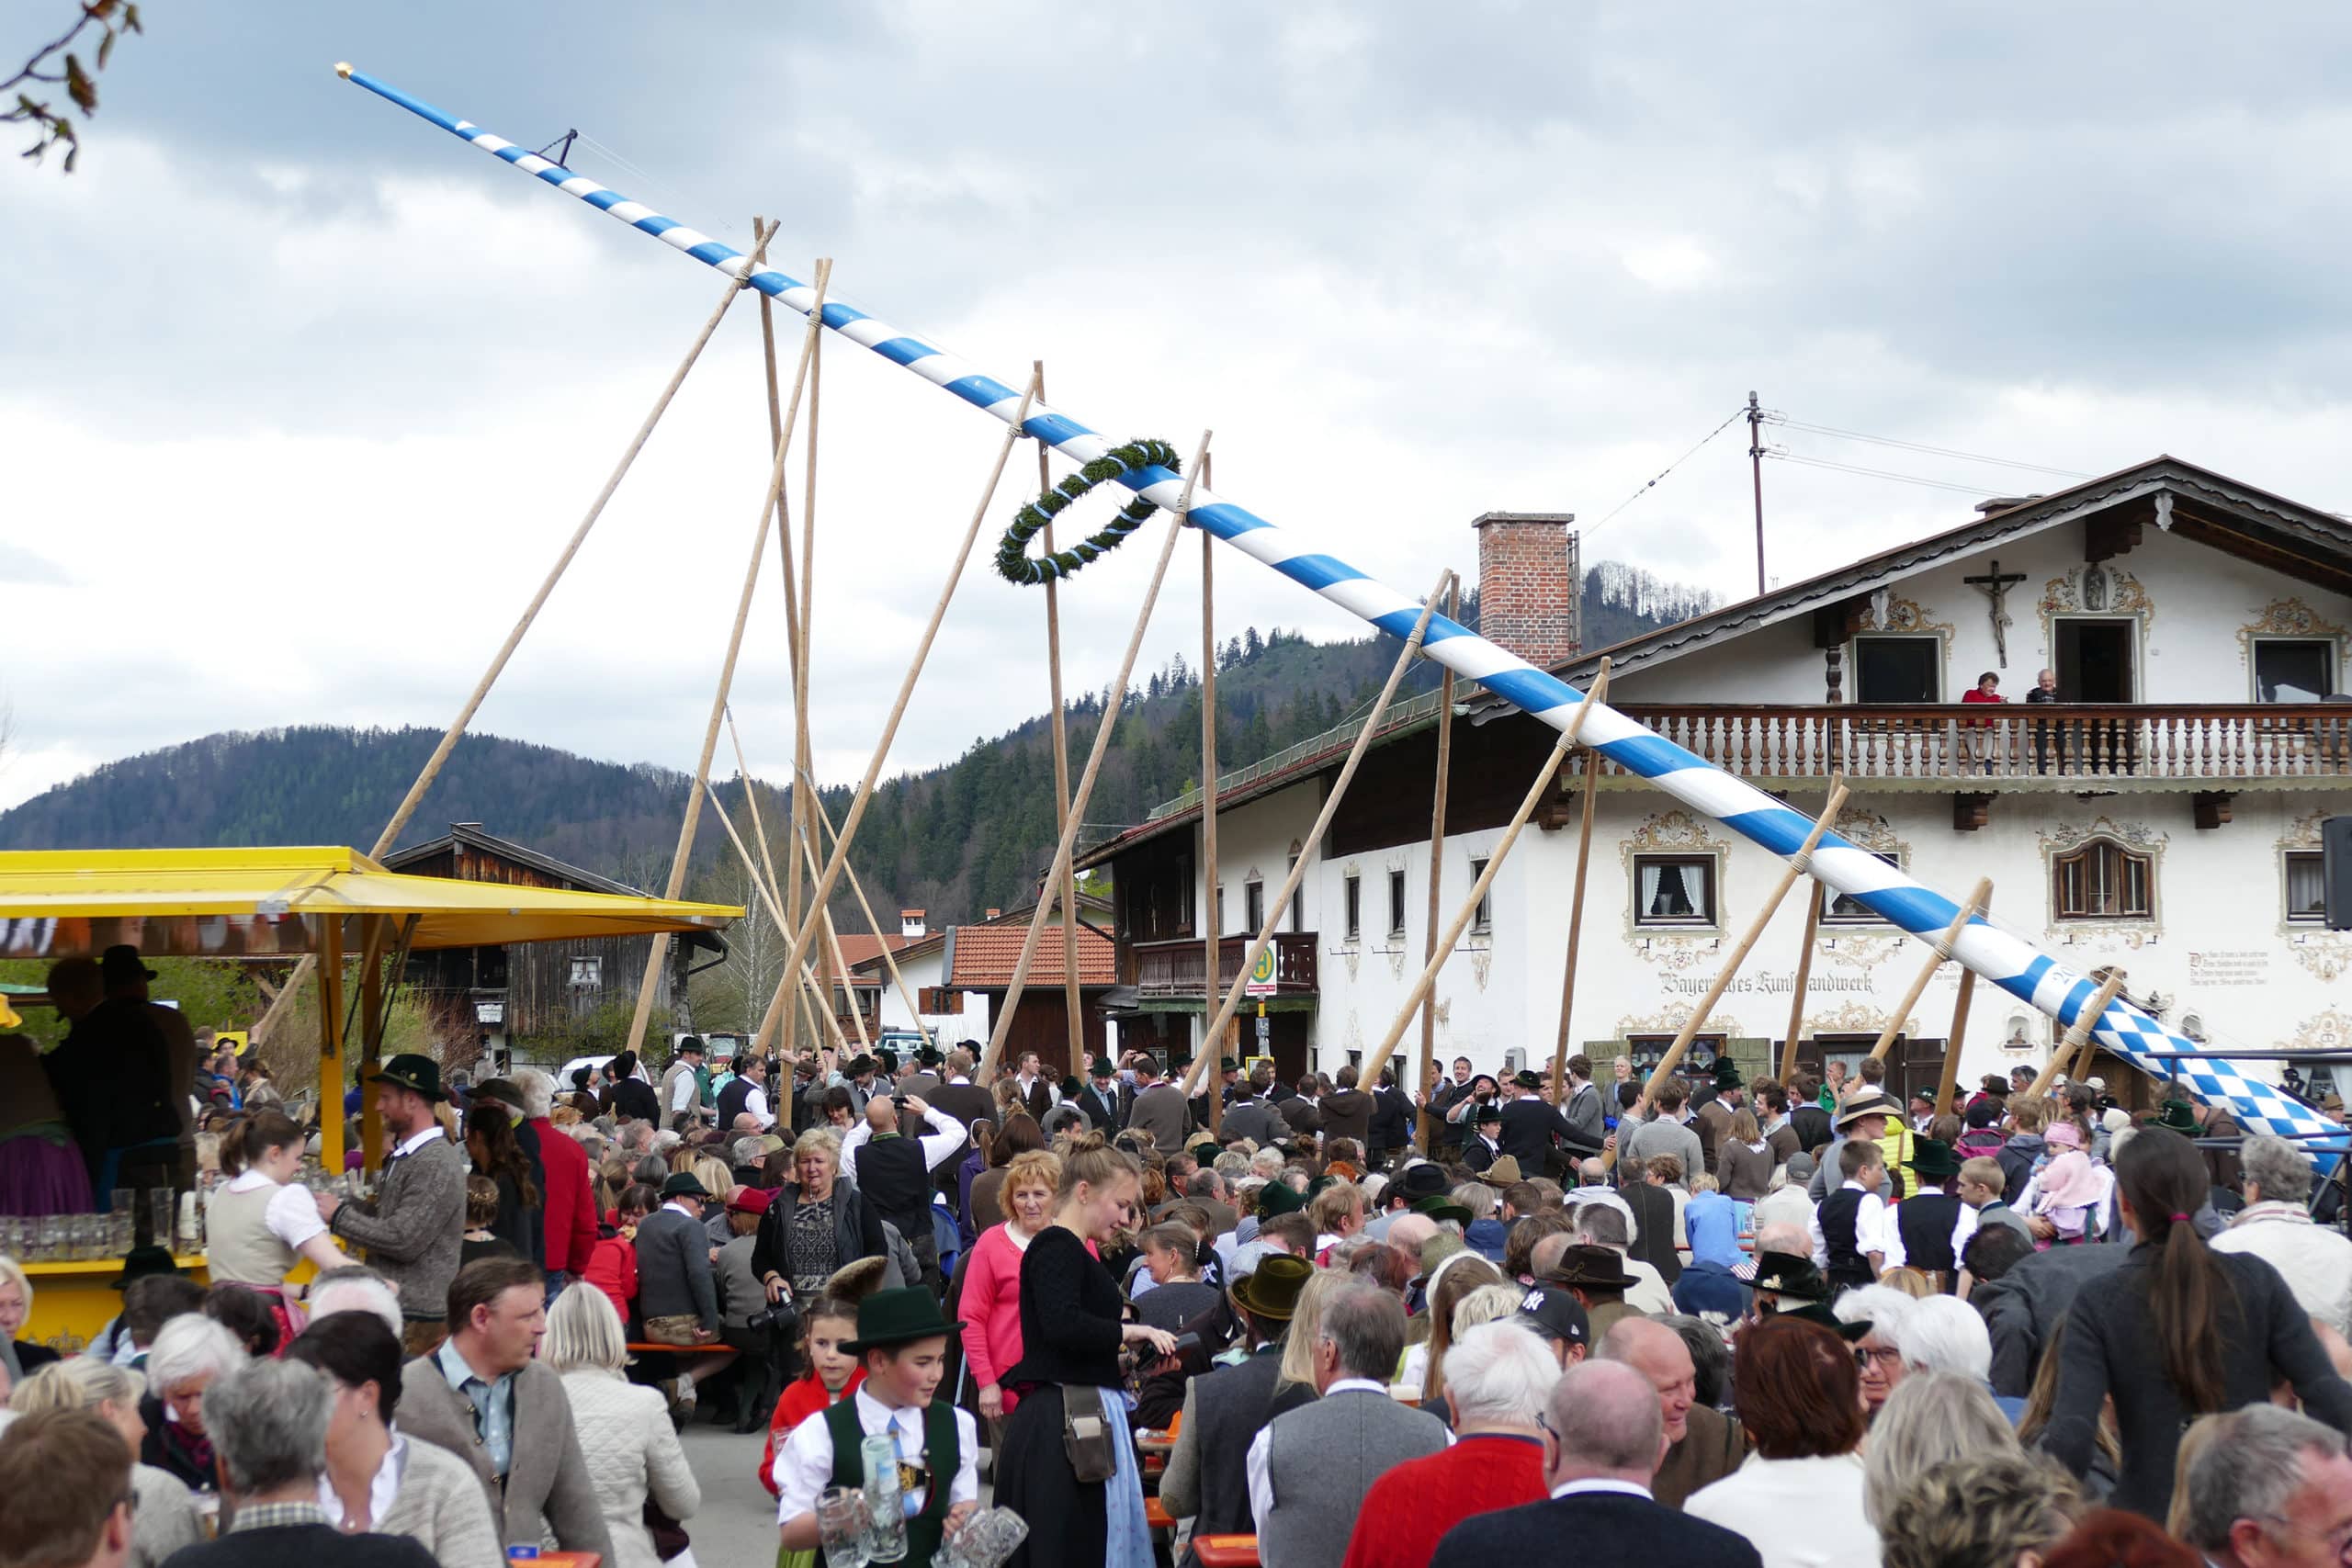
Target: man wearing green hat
x=676 y=1288
x=902 y=1343
x=414 y=1227
x=1926 y=1218
x=1207 y=1479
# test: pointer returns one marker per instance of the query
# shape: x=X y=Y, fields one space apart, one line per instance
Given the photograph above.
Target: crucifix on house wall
x=1994 y=585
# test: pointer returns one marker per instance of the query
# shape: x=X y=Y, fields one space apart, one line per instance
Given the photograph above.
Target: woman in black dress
x=1071 y=1333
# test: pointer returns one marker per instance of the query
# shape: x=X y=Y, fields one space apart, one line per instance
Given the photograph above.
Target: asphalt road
x=735 y=1528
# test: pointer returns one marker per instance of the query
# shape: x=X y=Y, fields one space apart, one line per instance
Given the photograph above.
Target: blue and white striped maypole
x=2006 y=961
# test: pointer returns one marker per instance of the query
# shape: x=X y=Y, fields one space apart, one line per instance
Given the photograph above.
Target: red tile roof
x=864 y=947
x=984 y=957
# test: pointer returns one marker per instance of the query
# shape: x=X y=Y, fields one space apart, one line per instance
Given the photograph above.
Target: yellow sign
x=234 y=1040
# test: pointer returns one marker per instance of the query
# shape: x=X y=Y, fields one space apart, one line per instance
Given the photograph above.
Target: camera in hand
x=780 y=1317
x=1185 y=1341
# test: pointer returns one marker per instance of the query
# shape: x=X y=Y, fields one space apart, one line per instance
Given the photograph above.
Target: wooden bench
x=655 y=1348
x=1226 y=1551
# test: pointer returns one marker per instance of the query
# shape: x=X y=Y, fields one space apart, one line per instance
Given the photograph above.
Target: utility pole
x=1756 y=462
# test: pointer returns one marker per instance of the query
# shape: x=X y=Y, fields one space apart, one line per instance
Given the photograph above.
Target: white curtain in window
x=2306 y=889
x=1667 y=891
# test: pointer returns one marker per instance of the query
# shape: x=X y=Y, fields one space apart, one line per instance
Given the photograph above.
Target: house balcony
x=1170 y=971
x=2030 y=746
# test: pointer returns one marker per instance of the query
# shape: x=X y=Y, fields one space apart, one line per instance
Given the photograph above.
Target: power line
x=1781 y=419
x=1737 y=414
x=1787 y=457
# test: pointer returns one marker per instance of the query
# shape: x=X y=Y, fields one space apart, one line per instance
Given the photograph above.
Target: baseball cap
x=1556 y=1314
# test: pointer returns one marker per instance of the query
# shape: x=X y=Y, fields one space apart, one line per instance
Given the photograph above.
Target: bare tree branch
x=112 y=19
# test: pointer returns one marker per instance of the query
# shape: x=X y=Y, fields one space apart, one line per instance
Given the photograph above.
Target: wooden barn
x=511 y=994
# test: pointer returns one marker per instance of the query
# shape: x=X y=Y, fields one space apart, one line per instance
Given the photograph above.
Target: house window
x=1674 y=890
x=1217 y=909
x=1297 y=899
x=2306 y=886
x=1843 y=909
x=587 y=973
x=1253 y=906
x=1483 y=921
x=933 y=1000
x=1351 y=896
x=1645 y=1051
x=1396 y=905
x=2293 y=669
x=1898 y=669
x=2103 y=881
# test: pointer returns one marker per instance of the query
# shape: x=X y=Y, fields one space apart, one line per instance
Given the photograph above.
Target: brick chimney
x=1530 y=586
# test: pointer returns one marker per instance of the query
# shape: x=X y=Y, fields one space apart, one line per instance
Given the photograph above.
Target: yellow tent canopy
x=257 y=903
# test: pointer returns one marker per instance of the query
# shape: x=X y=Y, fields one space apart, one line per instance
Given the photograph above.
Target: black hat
x=1104 y=1067
x=1933 y=1158
x=1422 y=1180
x=141 y=1262
x=1274 y=1289
x=886 y=1059
x=1787 y=1274
x=418 y=1075
x=683 y=1184
x=1727 y=1076
x=1556 y=1314
x=860 y=1066
x=122 y=962
x=1227 y=1065
x=1818 y=1311
x=691 y=1042
x=1592 y=1268
x=898 y=1317
x=1488 y=1111
x=1525 y=1078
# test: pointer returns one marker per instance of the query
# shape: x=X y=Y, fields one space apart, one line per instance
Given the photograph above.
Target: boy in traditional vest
x=904 y=1344
x=1851 y=1239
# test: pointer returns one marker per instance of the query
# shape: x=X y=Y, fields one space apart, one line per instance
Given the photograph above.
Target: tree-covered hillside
x=952 y=840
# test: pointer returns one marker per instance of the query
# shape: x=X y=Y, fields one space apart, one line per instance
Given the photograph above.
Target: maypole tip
x=343 y=68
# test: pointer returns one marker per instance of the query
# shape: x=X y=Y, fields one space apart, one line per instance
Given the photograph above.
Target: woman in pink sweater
x=991 y=1300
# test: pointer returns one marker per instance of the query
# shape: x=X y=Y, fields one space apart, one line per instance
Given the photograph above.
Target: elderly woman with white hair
x=189 y=1352
x=2276 y=1226
x=1879 y=1353
x=1934 y=1419
x=1945 y=1334
x=1498 y=1378
x=625 y=1432
x=164 y=1518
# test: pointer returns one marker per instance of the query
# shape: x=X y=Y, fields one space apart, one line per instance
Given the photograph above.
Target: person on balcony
x=1978 y=733
x=2045 y=690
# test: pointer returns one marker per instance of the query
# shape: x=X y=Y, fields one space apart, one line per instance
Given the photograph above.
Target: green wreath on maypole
x=1016 y=565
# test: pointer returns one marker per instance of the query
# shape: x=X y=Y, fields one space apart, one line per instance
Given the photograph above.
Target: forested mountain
x=952 y=840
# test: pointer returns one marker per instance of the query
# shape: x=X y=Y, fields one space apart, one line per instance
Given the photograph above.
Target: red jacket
x=805 y=1397
x=612 y=1268
x=1409 y=1509
x=571 y=1200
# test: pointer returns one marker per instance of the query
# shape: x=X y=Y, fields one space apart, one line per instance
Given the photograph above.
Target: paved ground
x=736 y=1525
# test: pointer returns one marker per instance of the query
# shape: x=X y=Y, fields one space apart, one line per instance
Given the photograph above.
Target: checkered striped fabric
x=1999 y=956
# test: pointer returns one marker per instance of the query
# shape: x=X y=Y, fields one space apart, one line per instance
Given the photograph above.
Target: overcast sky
x=299 y=395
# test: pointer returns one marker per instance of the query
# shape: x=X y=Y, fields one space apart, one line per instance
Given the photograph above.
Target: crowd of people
x=1726 y=1320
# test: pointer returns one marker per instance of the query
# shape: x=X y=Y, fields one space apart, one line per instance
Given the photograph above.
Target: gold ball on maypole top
x=343 y=68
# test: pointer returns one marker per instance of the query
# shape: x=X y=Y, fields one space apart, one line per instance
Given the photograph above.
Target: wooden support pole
x=767 y=895
x=1281 y=906
x=1073 y=1002
x=683 y=858
x=1428 y=1120
x=1969 y=908
x=1800 y=864
x=889 y=959
x=373 y=928
x=2085 y=1021
x=330 y=1057
x=848 y=830
x=1948 y=1082
x=1576 y=928
x=1211 y=1046
x=1803 y=977
x=1111 y=711
x=449 y=737
x=804 y=758
x=1425 y=986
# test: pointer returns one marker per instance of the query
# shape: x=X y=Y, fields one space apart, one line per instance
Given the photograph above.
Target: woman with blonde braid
x=1072 y=1334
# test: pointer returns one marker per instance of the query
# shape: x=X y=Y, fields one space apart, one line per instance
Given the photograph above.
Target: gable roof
x=470 y=835
x=2193 y=501
x=981 y=958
